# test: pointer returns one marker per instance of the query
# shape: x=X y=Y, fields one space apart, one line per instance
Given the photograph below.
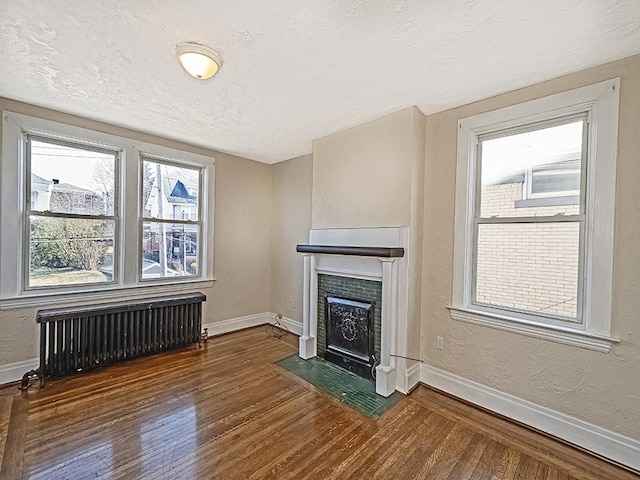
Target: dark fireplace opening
x=350 y=334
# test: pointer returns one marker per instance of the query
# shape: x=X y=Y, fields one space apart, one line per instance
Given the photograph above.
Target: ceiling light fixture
x=198 y=60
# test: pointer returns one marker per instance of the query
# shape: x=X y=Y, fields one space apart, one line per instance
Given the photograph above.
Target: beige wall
x=600 y=388
x=242 y=238
x=372 y=176
x=416 y=235
x=242 y=257
x=290 y=224
x=362 y=176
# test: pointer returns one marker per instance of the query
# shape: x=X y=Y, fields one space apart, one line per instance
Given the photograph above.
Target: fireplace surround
x=361 y=253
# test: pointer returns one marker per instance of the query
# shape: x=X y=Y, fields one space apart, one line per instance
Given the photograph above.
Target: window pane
x=70 y=251
x=178 y=257
x=531 y=267
x=178 y=188
x=543 y=163
x=71 y=179
x=562 y=178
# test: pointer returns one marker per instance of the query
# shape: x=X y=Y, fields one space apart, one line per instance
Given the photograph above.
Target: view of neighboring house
x=179 y=200
x=40 y=193
x=63 y=246
x=176 y=200
x=64 y=197
x=69 y=198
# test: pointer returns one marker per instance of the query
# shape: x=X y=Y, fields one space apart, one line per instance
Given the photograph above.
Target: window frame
x=29 y=212
x=579 y=218
x=126 y=282
x=173 y=162
x=600 y=103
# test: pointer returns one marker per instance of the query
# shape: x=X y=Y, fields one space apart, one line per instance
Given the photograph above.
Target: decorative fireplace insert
x=350 y=334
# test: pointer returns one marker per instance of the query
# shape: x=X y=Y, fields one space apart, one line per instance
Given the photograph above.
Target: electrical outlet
x=439 y=343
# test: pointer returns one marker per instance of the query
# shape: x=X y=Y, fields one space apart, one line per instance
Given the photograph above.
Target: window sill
x=552 y=333
x=83 y=297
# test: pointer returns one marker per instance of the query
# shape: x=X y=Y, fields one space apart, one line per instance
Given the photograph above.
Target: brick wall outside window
x=531 y=267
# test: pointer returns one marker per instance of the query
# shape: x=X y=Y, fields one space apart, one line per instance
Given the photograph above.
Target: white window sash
x=29 y=212
x=600 y=102
x=173 y=162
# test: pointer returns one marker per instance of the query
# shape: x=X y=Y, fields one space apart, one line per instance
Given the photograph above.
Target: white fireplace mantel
x=389 y=269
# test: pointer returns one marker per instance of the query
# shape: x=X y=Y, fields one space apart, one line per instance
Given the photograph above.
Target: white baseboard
x=413 y=375
x=233 y=324
x=609 y=444
x=238 y=323
x=12 y=372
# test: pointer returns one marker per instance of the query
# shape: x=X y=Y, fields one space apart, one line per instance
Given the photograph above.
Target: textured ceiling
x=294 y=70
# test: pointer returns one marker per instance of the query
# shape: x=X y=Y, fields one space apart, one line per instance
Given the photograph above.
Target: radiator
x=79 y=339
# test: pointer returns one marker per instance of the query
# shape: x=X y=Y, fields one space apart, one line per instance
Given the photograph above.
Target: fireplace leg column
x=308 y=339
x=386 y=371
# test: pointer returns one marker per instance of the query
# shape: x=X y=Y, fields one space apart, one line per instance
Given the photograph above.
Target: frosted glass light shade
x=199 y=61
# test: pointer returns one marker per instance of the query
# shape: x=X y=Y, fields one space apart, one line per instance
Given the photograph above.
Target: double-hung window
x=70 y=213
x=528 y=260
x=534 y=217
x=83 y=211
x=171 y=219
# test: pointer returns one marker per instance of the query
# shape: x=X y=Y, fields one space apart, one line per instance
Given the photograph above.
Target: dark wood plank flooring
x=228 y=412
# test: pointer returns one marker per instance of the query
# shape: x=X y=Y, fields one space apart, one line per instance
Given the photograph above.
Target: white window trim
x=26 y=187
x=601 y=101
x=12 y=244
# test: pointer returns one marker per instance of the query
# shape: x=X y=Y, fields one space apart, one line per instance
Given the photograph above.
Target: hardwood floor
x=228 y=412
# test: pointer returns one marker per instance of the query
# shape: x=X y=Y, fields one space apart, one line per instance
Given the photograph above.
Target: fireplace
x=350 y=334
x=375 y=254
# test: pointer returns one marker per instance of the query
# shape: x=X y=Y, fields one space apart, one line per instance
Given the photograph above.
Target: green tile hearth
x=351 y=389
